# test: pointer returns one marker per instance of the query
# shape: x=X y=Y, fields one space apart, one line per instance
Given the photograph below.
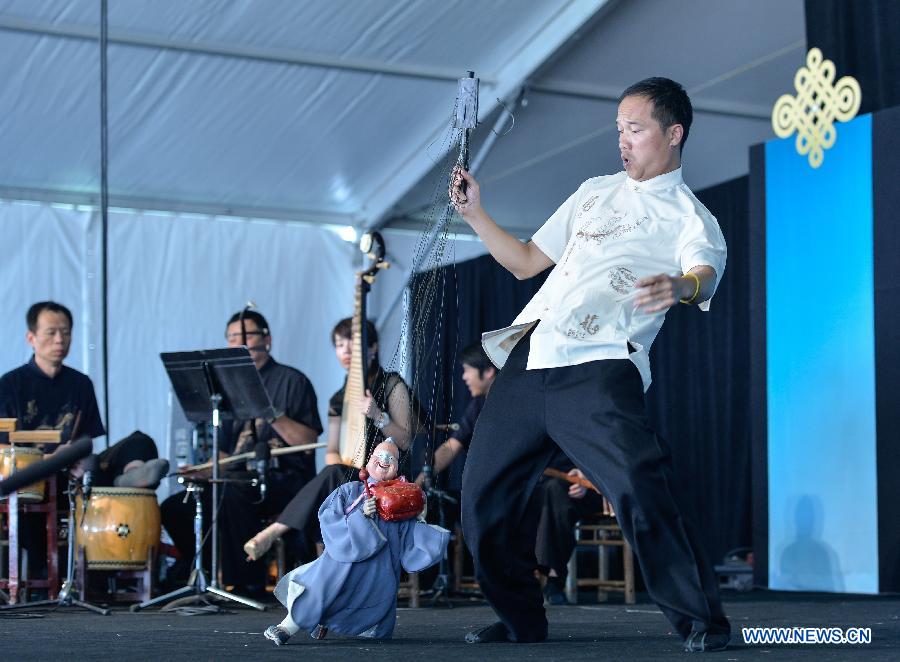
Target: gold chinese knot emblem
x=819 y=102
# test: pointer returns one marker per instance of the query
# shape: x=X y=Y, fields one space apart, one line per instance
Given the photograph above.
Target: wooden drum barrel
x=119 y=527
x=25 y=456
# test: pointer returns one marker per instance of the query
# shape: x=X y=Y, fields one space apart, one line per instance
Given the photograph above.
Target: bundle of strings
x=424 y=351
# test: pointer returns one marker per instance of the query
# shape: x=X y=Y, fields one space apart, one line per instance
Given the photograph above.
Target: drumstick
x=287 y=450
x=575 y=480
x=74 y=434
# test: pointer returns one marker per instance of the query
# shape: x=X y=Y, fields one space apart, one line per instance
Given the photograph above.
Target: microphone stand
x=198 y=586
x=440 y=589
x=66 y=595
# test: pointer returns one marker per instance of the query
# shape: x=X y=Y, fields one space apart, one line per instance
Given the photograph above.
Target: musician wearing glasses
x=390 y=412
x=242 y=513
x=46 y=394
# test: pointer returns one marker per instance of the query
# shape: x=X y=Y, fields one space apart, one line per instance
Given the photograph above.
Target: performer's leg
x=241 y=516
x=509 y=451
x=302 y=510
x=596 y=414
x=135 y=453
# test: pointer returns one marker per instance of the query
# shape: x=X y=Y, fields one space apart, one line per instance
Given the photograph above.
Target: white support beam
x=521 y=63
x=237 y=51
x=92 y=199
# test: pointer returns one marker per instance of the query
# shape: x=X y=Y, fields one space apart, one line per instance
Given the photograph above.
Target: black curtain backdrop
x=699 y=398
x=862 y=38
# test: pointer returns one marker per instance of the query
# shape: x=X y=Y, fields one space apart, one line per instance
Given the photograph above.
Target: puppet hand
x=369 y=507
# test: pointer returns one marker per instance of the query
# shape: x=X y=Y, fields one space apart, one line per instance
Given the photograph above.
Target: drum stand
x=66 y=595
x=198 y=586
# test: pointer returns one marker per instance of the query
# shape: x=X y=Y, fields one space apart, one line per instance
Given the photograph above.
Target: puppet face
x=384 y=462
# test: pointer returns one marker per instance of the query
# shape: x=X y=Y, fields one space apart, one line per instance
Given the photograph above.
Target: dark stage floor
x=611 y=631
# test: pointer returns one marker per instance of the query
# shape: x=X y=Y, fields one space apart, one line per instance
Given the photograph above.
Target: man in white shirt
x=624 y=249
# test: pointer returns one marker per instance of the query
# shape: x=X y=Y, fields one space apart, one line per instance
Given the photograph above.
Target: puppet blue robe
x=352 y=588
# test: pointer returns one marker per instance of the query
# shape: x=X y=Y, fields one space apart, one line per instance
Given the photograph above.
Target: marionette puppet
x=372 y=528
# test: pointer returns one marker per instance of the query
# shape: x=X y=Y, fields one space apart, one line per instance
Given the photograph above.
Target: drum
x=118 y=528
x=25 y=456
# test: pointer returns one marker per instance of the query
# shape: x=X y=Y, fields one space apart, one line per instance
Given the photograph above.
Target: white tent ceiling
x=324 y=111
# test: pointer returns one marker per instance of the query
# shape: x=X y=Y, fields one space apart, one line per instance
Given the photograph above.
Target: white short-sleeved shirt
x=612 y=231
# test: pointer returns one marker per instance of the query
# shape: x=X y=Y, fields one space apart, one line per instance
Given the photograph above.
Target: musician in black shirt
x=45 y=394
x=297 y=423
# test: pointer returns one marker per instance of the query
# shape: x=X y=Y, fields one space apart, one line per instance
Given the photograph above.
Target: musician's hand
x=661 y=292
x=467 y=202
x=368 y=407
x=369 y=508
x=576 y=491
x=421 y=516
x=420 y=479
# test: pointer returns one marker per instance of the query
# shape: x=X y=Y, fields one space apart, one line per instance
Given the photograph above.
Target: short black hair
x=344 y=329
x=31 y=317
x=671 y=104
x=475 y=356
x=257 y=318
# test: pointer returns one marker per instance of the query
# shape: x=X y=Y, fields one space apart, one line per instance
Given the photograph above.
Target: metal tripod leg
x=197 y=587
x=65 y=598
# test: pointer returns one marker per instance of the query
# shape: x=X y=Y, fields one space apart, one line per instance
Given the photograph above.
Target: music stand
x=212 y=385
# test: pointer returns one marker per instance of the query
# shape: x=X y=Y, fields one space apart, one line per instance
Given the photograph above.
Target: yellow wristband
x=696 y=288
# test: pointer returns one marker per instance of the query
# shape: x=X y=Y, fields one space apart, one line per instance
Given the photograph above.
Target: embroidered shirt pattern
x=622 y=279
x=612 y=229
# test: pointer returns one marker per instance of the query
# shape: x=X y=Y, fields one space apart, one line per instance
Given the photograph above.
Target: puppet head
x=384 y=461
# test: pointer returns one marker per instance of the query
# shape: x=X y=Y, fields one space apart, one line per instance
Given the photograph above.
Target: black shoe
x=498 y=632
x=488 y=634
x=554 y=592
x=146 y=476
x=706 y=642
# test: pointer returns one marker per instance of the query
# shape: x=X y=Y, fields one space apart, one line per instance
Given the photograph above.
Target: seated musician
x=478 y=374
x=242 y=513
x=389 y=411
x=46 y=394
x=558 y=505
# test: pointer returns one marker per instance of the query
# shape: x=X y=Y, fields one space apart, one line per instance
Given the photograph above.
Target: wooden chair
x=13 y=506
x=598 y=536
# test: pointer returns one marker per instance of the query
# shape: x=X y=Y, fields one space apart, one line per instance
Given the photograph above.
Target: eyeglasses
x=385 y=458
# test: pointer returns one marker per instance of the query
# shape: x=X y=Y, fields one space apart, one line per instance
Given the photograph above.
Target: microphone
x=87 y=478
x=65 y=457
x=452 y=427
x=261 y=455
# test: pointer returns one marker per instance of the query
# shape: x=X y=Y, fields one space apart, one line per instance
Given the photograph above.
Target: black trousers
x=240 y=518
x=557 y=514
x=302 y=512
x=595 y=413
